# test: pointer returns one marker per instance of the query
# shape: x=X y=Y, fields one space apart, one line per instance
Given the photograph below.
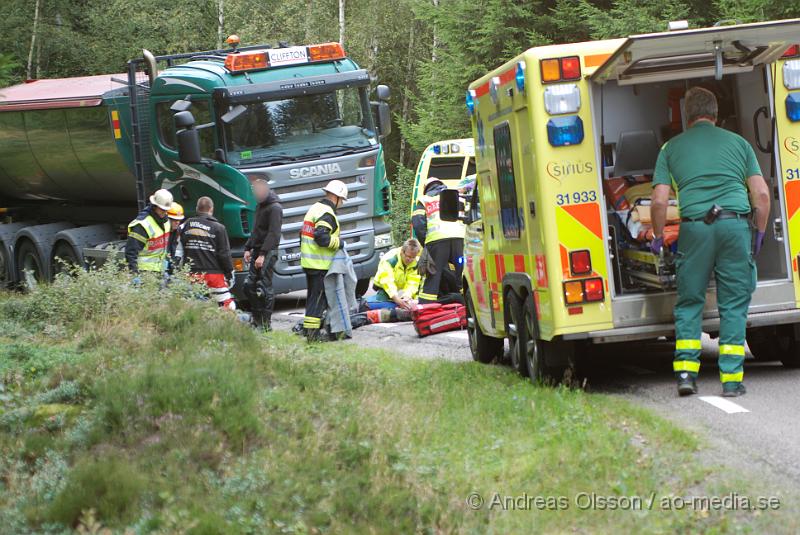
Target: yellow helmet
x=175 y=212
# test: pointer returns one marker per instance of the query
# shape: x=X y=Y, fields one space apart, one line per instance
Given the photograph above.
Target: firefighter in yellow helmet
x=148 y=234
x=319 y=241
x=176 y=216
x=444 y=240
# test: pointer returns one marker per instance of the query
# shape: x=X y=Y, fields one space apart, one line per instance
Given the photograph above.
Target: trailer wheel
x=516 y=335
x=6 y=277
x=30 y=267
x=484 y=348
x=64 y=259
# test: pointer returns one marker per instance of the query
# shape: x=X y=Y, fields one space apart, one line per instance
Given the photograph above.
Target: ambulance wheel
x=788 y=346
x=484 y=348
x=764 y=344
x=516 y=337
x=534 y=354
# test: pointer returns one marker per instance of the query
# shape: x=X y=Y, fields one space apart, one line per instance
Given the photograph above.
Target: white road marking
x=723 y=404
x=387 y=325
x=461 y=335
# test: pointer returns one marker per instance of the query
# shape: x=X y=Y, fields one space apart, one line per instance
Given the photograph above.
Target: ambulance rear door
x=685 y=54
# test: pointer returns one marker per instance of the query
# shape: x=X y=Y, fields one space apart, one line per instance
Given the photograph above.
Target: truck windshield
x=301 y=127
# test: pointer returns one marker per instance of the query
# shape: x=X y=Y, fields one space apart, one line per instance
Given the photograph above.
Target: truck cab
x=566 y=139
x=296 y=116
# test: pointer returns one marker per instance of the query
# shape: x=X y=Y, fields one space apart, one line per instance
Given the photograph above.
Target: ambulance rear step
x=710 y=325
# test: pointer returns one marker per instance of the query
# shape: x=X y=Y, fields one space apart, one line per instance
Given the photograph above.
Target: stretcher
x=648 y=269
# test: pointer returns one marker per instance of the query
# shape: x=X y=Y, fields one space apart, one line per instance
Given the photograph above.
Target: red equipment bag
x=436 y=318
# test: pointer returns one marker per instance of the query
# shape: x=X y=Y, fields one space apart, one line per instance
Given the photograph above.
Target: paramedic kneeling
x=712 y=171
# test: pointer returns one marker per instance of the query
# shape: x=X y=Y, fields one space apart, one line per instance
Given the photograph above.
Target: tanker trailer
x=64 y=186
x=80 y=156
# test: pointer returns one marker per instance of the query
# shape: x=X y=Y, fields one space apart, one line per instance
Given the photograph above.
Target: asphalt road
x=752 y=434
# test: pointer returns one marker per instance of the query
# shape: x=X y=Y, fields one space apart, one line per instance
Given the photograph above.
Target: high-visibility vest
x=154 y=254
x=438 y=229
x=393 y=276
x=312 y=256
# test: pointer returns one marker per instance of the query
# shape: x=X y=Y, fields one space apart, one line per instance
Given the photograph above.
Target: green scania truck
x=80 y=156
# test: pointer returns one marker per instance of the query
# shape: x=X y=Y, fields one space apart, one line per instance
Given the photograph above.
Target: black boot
x=733 y=390
x=686 y=384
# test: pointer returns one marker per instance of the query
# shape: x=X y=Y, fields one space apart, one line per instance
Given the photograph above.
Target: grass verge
x=146 y=411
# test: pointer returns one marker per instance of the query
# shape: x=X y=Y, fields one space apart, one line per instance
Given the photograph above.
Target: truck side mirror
x=449 y=205
x=383 y=93
x=180 y=105
x=234 y=113
x=188 y=139
x=383 y=117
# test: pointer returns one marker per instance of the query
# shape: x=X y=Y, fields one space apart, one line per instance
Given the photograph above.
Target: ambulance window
x=509 y=214
x=471 y=166
x=446 y=168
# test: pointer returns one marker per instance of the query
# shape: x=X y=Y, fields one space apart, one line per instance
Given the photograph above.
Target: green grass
x=153 y=413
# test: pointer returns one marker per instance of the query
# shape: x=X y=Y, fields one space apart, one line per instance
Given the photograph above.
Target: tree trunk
x=435 y=44
x=34 y=33
x=407 y=88
x=341 y=21
x=220 y=24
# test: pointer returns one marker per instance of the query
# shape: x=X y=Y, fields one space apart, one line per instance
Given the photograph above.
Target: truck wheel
x=6 y=277
x=517 y=337
x=64 y=259
x=484 y=348
x=763 y=344
x=30 y=267
x=361 y=287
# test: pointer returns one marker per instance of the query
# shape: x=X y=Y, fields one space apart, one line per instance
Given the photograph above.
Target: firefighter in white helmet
x=444 y=240
x=319 y=241
x=148 y=235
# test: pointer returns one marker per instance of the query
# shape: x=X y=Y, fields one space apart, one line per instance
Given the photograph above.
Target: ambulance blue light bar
x=793 y=107
x=470 y=101
x=565 y=131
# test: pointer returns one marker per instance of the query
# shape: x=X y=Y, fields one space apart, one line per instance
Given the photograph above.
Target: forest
x=427 y=51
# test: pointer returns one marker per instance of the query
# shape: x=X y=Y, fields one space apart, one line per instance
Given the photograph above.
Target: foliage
x=156 y=413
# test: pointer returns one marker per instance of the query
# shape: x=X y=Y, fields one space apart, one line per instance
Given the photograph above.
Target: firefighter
x=319 y=241
x=261 y=252
x=397 y=280
x=444 y=240
x=176 y=215
x=148 y=235
x=719 y=183
x=208 y=252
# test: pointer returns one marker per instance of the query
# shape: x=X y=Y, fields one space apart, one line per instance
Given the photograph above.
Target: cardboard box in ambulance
x=566 y=139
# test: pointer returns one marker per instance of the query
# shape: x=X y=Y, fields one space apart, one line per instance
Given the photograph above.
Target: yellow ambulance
x=566 y=139
x=450 y=160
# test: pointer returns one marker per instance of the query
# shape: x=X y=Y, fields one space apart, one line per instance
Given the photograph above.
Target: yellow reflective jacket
x=437 y=229
x=312 y=255
x=393 y=276
x=154 y=255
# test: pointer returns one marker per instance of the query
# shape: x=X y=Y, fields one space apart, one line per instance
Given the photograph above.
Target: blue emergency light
x=520 y=77
x=793 y=106
x=563 y=131
x=437 y=149
x=470 y=101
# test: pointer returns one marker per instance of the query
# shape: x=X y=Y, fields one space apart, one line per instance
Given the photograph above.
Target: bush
x=111 y=486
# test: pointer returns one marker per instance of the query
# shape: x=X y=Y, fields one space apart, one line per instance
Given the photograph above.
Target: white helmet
x=431 y=181
x=338 y=188
x=162 y=198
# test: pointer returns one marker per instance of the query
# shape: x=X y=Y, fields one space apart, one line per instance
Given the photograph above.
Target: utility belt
x=714 y=213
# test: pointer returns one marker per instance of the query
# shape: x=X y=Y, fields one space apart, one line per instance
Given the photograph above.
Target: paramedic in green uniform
x=718 y=183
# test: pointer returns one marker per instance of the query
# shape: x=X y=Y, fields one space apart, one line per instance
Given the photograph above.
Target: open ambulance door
x=658 y=57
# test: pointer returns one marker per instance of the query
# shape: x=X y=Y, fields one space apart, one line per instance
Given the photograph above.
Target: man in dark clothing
x=208 y=252
x=444 y=240
x=148 y=235
x=262 y=249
